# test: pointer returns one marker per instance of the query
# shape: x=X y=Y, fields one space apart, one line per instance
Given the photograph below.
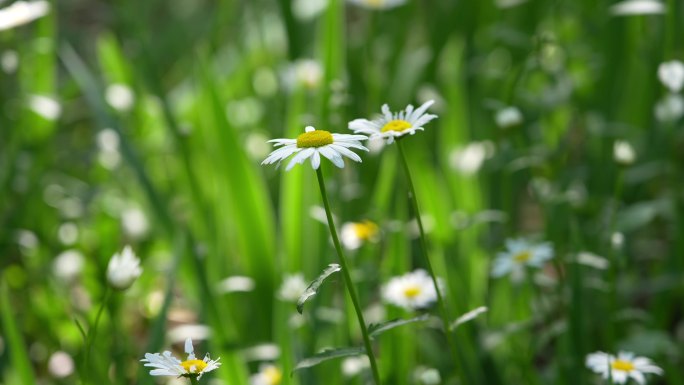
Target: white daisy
x=123 y=269
x=314 y=143
x=268 y=375
x=622 y=368
x=411 y=291
x=519 y=254
x=166 y=364
x=354 y=234
x=378 y=4
x=671 y=74
x=394 y=125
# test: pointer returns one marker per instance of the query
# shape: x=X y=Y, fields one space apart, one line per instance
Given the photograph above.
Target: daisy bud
x=123 y=269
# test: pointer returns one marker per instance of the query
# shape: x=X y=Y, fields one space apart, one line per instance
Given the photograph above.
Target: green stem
x=93 y=331
x=347 y=279
x=423 y=246
x=194 y=381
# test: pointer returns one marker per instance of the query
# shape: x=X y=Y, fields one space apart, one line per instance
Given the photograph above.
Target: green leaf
x=17 y=348
x=313 y=286
x=375 y=330
x=469 y=316
x=326 y=355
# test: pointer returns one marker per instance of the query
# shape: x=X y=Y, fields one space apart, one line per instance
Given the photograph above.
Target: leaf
x=328 y=354
x=313 y=286
x=469 y=316
x=375 y=330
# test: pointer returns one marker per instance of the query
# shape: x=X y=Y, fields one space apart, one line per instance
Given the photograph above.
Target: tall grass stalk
x=347 y=279
x=423 y=245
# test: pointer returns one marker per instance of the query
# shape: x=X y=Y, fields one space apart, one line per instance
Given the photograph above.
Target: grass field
x=549 y=191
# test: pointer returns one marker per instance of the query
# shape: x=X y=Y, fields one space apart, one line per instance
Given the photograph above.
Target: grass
x=210 y=84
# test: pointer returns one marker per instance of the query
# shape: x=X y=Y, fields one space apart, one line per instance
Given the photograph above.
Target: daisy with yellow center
x=520 y=254
x=314 y=143
x=623 y=367
x=414 y=290
x=354 y=234
x=165 y=364
x=394 y=125
x=268 y=375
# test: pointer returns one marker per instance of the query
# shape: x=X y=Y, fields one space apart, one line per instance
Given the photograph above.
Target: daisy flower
x=621 y=368
x=123 y=269
x=354 y=234
x=411 y=291
x=167 y=365
x=268 y=375
x=314 y=143
x=394 y=125
x=519 y=254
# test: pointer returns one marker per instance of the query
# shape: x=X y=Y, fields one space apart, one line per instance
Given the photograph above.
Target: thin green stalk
x=423 y=245
x=93 y=331
x=347 y=279
x=194 y=381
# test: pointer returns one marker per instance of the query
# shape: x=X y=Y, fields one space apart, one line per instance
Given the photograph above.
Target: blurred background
x=143 y=123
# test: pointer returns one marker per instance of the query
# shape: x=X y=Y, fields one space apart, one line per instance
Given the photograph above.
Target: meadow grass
x=144 y=123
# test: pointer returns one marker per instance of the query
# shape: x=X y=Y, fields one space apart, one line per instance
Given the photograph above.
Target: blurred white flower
x=244 y=112
x=378 y=4
x=9 y=61
x=262 y=352
x=235 y=284
x=623 y=152
x=351 y=366
x=134 y=222
x=306 y=73
x=617 y=239
x=265 y=82
x=314 y=143
x=60 y=364
x=468 y=160
x=623 y=367
x=67 y=233
x=257 y=146
x=391 y=126
x=508 y=117
x=123 y=269
x=120 y=96
x=292 y=288
x=414 y=290
x=167 y=365
x=68 y=265
x=22 y=12
x=509 y=3
x=268 y=375
x=45 y=106
x=354 y=234
x=592 y=260
x=671 y=74
x=427 y=376
x=196 y=332
x=520 y=253
x=637 y=7
x=308 y=9
x=670 y=108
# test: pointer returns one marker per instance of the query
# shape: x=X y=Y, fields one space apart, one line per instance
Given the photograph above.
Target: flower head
x=166 y=364
x=123 y=269
x=394 y=125
x=268 y=375
x=411 y=291
x=623 y=367
x=314 y=143
x=354 y=234
x=521 y=253
x=671 y=74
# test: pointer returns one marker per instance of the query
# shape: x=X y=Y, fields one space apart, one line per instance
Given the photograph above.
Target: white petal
x=315 y=160
x=346 y=152
x=299 y=158
x=309 y=129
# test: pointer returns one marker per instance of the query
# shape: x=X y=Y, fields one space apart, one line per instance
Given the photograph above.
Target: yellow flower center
x=625 y=366
x=273 y=375
x=412 y=291
x=199 y=366
x=522 y=257
x=365 y=230
x=396 y=125
x=317 y=138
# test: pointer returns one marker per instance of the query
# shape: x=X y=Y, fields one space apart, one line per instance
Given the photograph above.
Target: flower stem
x=347 y=279
x=93 y=330
x=423 y=246
x=194 y=381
